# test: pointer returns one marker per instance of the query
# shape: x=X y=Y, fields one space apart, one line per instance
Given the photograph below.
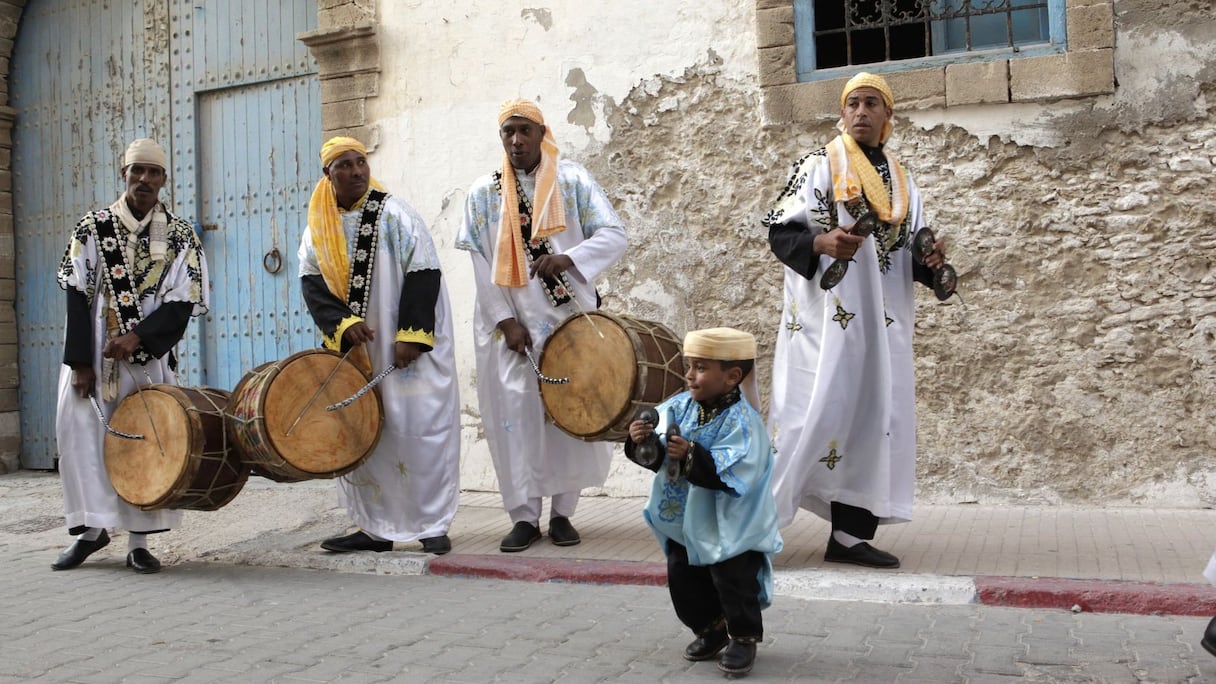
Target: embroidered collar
x=712 y=408
x=366 y=237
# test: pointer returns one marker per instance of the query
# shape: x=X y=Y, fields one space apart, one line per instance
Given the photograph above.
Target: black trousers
x=853 y=520
x=702 y=595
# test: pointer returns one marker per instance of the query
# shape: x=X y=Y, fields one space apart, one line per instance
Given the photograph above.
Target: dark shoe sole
x=864 y=565
x=144 y=571
x=343 y=549
x=566 y=542
x=515 y=549
x=1208 y=646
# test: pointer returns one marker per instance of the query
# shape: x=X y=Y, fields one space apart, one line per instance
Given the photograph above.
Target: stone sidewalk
x=1127 y=560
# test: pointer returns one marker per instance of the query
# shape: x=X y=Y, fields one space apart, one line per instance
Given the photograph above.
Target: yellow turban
x=868 y=80
x=720 y=344
x=145 y=151
x=548 y=208
x=325 y=223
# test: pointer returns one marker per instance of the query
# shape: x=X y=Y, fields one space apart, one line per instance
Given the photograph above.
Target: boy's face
x=707 y=379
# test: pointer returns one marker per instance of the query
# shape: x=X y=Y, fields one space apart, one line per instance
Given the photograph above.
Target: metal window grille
x=866 y=31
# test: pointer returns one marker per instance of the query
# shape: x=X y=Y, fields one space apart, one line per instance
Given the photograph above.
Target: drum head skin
x=145 y=471
x=602 y=371
x=323 y=442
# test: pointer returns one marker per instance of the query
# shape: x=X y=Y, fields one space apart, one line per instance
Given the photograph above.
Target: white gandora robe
x=533 y=458
x=409 y=486
x=842 y=412
x=89 y=498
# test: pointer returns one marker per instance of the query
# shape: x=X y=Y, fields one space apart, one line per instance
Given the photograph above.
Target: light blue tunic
x=716 y=525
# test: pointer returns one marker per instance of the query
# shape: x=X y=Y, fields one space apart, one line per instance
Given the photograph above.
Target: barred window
x=842 y=33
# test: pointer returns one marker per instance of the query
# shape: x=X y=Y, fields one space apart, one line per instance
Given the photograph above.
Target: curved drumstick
x=366 y=388
x=102 y=417
x=541 y=376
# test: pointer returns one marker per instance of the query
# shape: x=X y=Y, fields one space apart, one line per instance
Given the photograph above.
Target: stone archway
x=10 y=425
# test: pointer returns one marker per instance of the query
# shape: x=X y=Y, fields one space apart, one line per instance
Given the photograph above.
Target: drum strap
x=117 y=275
x=556 y=289
x=362 y=267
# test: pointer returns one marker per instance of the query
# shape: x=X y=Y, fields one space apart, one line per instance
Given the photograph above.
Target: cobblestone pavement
x=214 y=622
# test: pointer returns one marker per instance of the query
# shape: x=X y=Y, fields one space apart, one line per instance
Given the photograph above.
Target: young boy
x=711 y=507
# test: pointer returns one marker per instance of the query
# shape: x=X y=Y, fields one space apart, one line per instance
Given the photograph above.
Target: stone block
x=8 y=290
x=343 y=50
x=774 y=4
x=8 y=354
x=350 y=87
x=368 y=135
x=10 y=399
x=797 y=102
x=345 y=14
x=777 y=66
x=344 y=114
x=8 y=335
x=977 y=83
x=1090 y=27
x=774 y=27
x=917 y=89
x=1071 y=74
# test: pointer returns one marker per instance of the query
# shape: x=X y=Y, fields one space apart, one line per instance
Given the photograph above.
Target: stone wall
x=10 y=424
x=1080 y=368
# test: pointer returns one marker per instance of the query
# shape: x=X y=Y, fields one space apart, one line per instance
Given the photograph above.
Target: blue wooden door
x=233 y=97
x=257 y=109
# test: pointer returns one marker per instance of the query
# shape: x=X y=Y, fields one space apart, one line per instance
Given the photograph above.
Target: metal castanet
x=945 y=279
x=863 y=227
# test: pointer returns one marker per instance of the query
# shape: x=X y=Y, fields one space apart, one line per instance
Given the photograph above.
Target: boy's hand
x=639 y=430
x=677 y=448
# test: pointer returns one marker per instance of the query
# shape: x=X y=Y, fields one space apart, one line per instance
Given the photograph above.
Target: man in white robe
x=134 y=275
x=842 y=411
x=395 y=306
x=539 y=231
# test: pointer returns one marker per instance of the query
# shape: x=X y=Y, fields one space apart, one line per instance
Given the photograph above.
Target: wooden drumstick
x=147 y=409
x=320 y=389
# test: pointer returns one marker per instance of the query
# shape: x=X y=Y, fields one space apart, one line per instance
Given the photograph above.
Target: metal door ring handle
x=273 y=261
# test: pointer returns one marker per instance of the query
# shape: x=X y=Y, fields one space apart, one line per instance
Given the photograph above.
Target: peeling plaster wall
x=1080 y=368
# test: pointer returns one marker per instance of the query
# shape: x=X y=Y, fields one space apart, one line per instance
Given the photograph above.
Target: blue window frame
x=834 y=37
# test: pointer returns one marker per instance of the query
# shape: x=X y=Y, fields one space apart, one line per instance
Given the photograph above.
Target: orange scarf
x=548 y=209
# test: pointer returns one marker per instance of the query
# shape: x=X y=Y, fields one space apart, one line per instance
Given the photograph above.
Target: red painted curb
x=1098 y=596
x=550 y=569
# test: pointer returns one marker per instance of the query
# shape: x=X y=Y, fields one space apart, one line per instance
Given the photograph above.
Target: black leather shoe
x=861 y=554
x=521 y=537
x=143 y=562
x=1208 y=642
x=739 y=657
x=358 y=541
x=562 y=533
x=437 y=545
x=707 y=645
x=79 y=550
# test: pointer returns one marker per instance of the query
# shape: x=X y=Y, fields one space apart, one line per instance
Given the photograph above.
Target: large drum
x=183 y=460
x=616 y=364
x=279 y=398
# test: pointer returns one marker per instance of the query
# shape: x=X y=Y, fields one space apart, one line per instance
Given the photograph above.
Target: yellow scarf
x=548 y=209
x=853 y=174
x=325 y=223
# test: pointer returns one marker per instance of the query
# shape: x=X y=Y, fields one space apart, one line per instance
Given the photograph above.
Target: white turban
x=145 y=151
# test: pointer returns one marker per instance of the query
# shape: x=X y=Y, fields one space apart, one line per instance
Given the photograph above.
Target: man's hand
x=937 y=258
x=550 y=266
x=838 y=244
x=121 y=347
x=83 y=380
x=405 y=353
x=516 y=335
x=358 y=334
x=677 y=448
